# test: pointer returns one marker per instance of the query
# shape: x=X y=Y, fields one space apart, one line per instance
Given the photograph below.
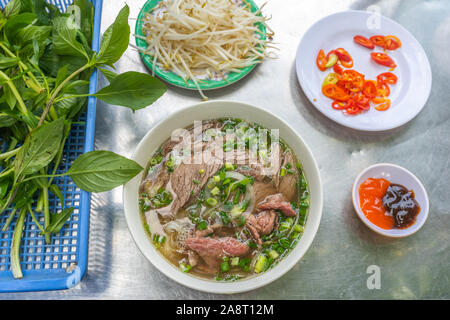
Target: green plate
x=175 y=79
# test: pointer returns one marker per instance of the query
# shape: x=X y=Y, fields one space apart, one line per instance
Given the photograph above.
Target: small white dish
x=214 y=110
x=408 y=96
x=398 y=175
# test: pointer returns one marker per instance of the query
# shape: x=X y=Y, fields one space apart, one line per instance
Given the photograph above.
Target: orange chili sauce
x=371 y=193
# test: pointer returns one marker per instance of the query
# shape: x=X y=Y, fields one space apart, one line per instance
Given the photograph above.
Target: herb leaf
x=39 y=148
x=133 y=90
x=12 y=8
x=115 y=39
x=98 y=171
x=65 y=37
x=58 y=220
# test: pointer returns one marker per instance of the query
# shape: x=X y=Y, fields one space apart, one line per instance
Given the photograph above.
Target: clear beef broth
x=232 y=212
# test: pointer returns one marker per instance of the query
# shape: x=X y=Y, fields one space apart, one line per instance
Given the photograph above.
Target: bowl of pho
x=230 y=198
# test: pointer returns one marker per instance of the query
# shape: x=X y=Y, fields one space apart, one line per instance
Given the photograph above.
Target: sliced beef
x=193 y=258
x=212 y=250
x=204 y=233
x=277 y=202
x=155 y=180
x=263 y=190
x=288 y=183
x=261 y=224
x=187 y=180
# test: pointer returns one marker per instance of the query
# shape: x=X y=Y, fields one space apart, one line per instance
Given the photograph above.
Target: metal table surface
x=335 y=267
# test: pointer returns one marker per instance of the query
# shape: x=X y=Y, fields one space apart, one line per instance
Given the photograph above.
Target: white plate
x=213 y=110
x=408 y=95
x=398 y=175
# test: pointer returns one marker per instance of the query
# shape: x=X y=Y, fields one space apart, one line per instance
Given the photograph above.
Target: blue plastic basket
x=62 y=263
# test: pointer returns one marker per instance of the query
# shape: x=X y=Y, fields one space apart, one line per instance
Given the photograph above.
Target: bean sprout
x=205 y=39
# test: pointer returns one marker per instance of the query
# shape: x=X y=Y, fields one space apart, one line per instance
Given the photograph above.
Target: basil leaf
x=61 y=75
x=6 y=120
x=16 y=23
x=12 y=8
x=6 y=62
x=109 y=74
x=39 y=148
x=39 y=8
x=10 y=98
x=98 y=171
x=58 y=220
x=29 y=33
x=86 y=16
x=115 y=39
x=65 y=37
x=25 y=194
x=57 y=192
x=133 y=90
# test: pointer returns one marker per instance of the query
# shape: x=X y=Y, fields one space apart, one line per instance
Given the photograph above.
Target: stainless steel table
x=336 y=264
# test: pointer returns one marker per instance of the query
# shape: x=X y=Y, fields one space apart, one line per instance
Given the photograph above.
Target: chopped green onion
x=215 y=191
x=195 y=181
x=240 y=221
x=237 y=196
x=273 y=254
x=261 y=264
x=283 y=172
x=288 y=165
x=298 y=228
x=284 y=226
x=235 y=261
x=252 y=245
x=202 y=225
x=225 y=218
x=229 y=166
x=246 y=181
x=185 y=267
x=244 y=264
x=211 y=202
x=304 y=204
x=216 y=178
x=202 y=171
x=224 y=267
x=285 y=243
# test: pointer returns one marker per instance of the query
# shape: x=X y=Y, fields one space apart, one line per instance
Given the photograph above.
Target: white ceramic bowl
x=212 y=110
x=399 y=175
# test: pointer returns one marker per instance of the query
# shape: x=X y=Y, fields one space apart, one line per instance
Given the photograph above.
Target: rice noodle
x=204 y=39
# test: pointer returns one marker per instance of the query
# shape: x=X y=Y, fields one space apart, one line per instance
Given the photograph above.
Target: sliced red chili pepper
x=383 y=90
x=353 y=110
x=383 y=59
x=363 y=41
x=384 y=106
x=339 y=105
x=321 y=60
x=392 y=42
x=378 y=40
x=344 y=57
x=363 y=102
x=338 y=69
x=387 y=77
x=370 y=89
x=332 y=91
